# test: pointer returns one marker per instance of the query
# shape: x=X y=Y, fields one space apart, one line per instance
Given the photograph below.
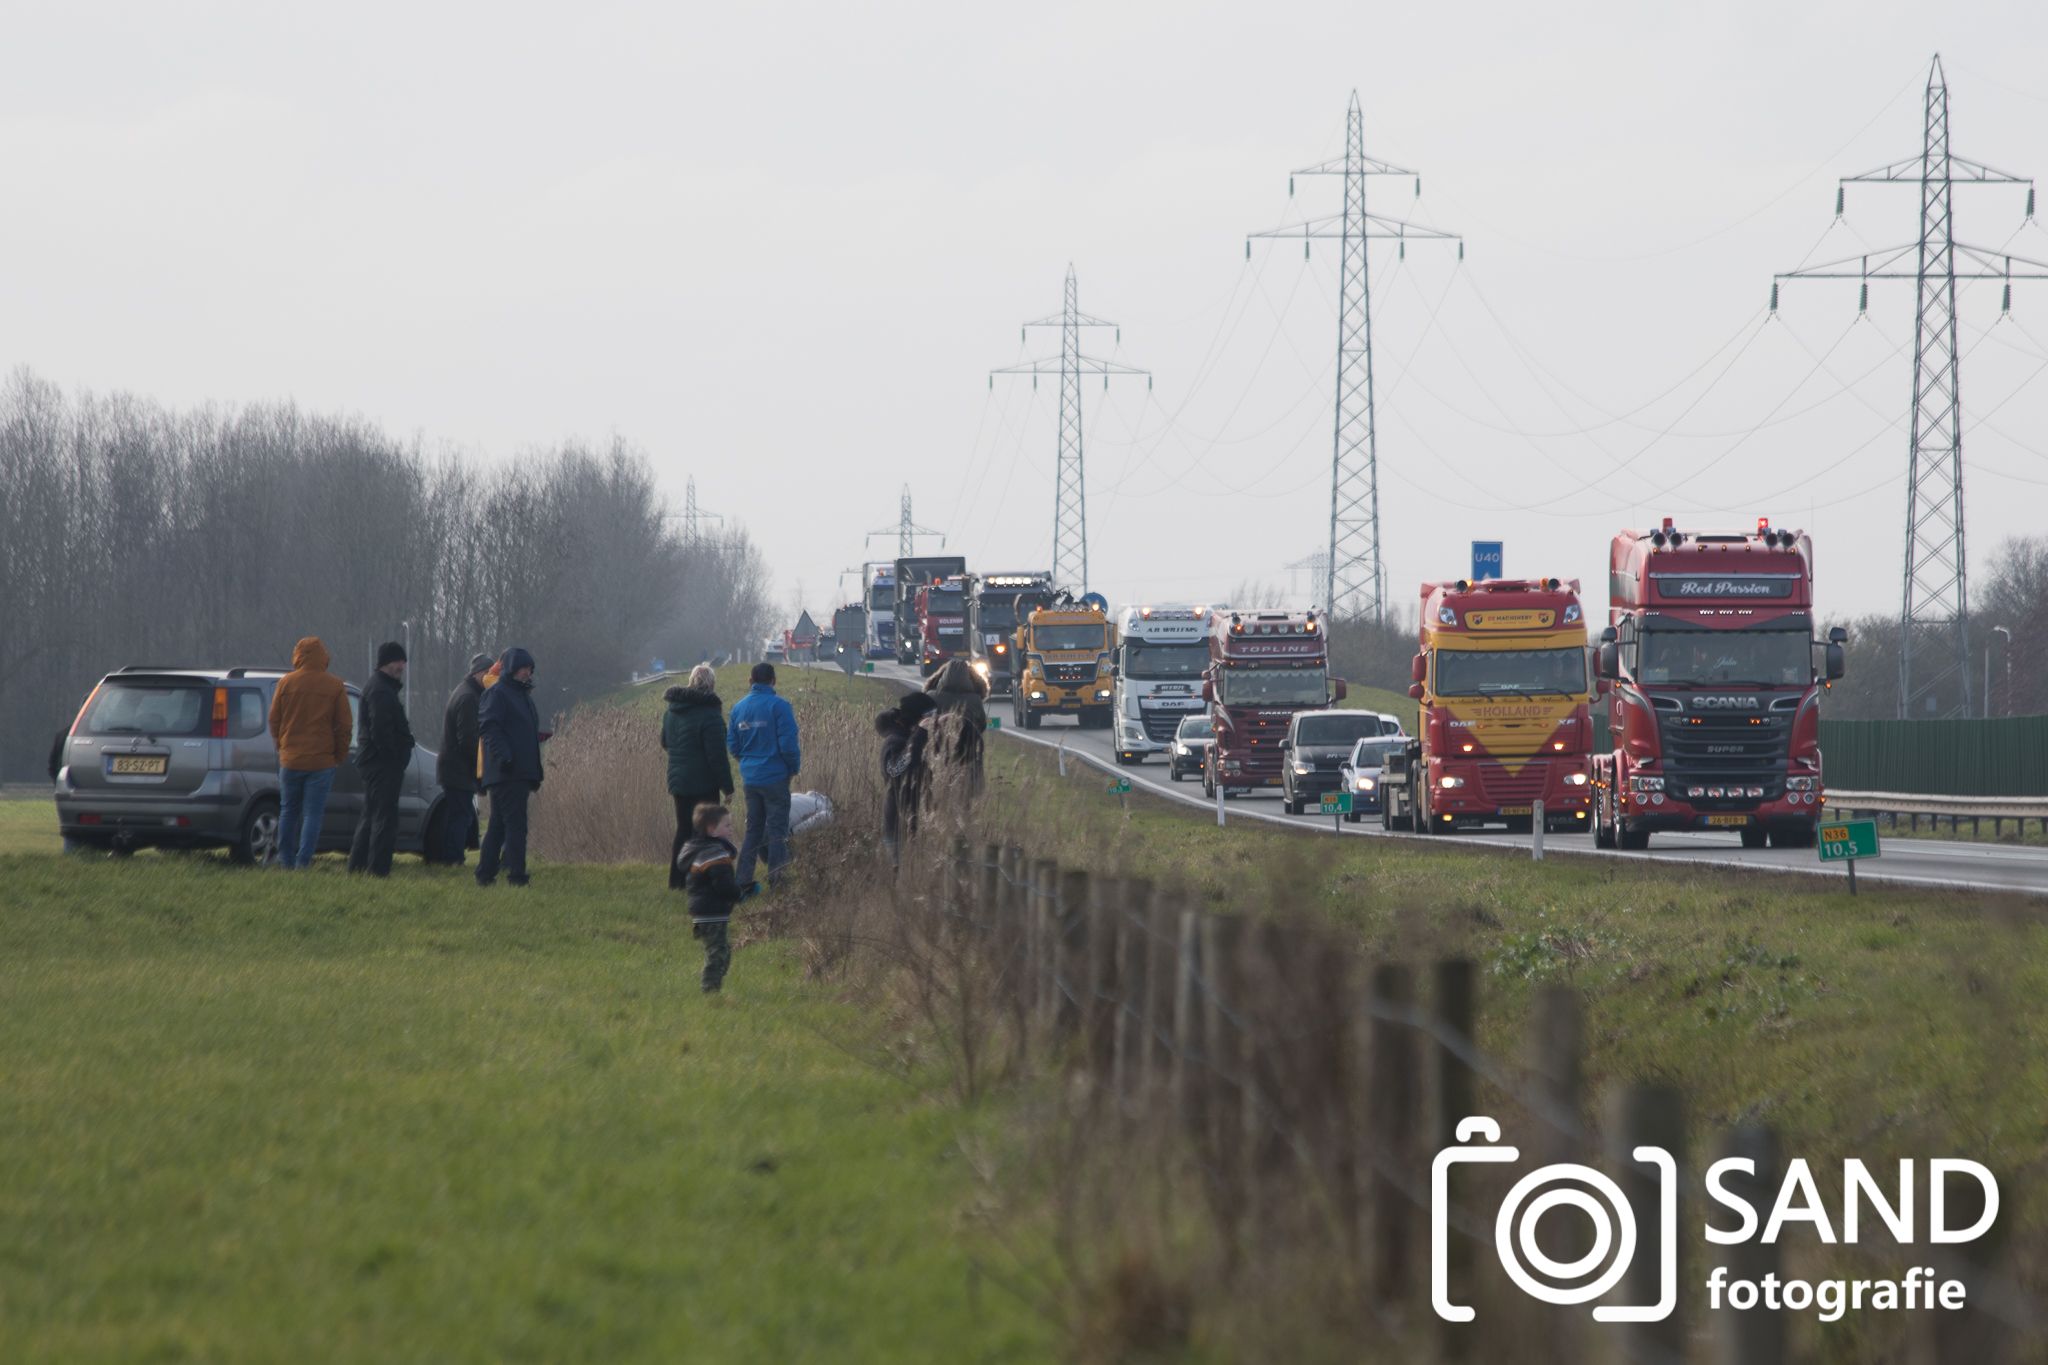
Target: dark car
x=1190 y=747
x=1316 y=746
x=182 y=758
x=1361 y=773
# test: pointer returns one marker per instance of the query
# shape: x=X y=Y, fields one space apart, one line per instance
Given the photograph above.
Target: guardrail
x=1954 y=809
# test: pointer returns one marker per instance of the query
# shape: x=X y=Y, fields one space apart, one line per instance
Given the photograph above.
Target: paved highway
x=1924 y=862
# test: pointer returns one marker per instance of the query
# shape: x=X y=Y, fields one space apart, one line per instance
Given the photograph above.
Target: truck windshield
x=1509 y=672
x=882 y=597
x=1164 y=661
x=998 y=613
x=1717 y=658
x=1066 y=637
x=948 y=603
x=1346 y=730
x=1275 y=687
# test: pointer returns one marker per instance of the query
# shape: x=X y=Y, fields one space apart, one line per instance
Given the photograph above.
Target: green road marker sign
x=995 y=722
x=870 y=667
x=1120 y=786
x=1336 y=803
x=1844 y=841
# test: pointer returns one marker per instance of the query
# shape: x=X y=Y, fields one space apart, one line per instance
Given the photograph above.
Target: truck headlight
x=1448 y=782
x=1037 y=696
x=1575 y=779
x=1647 y=784
x=1802 y=784
x=1102 y=694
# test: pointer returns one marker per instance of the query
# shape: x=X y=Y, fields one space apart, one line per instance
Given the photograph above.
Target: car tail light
x=85 y=708
x=220 y=713
x=88 y=819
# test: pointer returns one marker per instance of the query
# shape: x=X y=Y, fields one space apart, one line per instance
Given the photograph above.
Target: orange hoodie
x=309 y=712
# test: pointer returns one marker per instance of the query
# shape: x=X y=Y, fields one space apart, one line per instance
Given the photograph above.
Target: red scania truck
x=1713 y=701
x=1264 y=666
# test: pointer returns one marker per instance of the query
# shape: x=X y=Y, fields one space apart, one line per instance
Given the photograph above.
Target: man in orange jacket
x=309 y=721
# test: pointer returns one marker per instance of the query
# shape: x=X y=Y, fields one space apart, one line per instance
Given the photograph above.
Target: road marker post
x=1536 y=833
x=1844 y=841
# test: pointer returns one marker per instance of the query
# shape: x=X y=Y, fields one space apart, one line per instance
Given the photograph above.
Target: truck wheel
x=257 y=842
x=1755 y=836
x=1028 y=718
x=1603 y=830
x=1634 y=840
x=1174 y=773
x=1208 y=783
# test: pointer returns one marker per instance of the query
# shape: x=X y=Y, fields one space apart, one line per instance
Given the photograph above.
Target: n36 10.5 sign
x=1843 y=840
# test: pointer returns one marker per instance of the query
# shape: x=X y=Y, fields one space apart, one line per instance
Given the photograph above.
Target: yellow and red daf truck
x=1713 y=699
x=1506 y=710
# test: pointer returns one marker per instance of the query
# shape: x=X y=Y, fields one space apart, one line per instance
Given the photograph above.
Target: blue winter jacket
x=761 y=733
x=508 y=725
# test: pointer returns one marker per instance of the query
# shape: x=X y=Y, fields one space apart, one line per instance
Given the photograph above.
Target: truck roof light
x=1667 y=523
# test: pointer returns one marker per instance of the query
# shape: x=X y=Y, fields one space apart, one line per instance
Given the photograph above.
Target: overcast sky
x=780 y=246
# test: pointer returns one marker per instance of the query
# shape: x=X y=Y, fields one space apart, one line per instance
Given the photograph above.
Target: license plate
x=139 y=765
x=1727 y=819
x=1517 y=810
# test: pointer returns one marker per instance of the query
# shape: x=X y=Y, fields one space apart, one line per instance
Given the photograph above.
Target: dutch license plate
x=139 y=765
x=1727 y=819
x=1517 y=810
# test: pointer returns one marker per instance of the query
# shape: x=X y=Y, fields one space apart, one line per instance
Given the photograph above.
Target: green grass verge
x=263 y=1116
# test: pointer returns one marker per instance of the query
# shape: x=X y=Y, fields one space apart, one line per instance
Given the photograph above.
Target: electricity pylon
x=906 y=530
x=1936 y=600
x=1355 y=579
x=1070 y=488
x=694 y=516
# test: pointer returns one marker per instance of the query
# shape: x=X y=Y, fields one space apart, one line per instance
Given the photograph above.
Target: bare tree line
x=132 y=534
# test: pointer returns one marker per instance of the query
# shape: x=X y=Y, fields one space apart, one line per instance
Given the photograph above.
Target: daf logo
x=1726 y=704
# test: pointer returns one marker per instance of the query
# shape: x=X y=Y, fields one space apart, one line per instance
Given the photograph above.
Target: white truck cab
x=1161 y=652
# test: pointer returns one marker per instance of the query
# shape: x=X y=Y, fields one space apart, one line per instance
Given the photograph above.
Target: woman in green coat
x=693 y=733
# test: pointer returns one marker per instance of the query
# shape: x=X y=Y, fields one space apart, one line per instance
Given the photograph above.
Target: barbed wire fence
x=1308 y=1092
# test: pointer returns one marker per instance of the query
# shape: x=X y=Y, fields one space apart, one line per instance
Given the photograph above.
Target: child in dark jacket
x=708 y=860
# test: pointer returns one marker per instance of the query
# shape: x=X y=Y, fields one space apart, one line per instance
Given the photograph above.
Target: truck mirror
x=1837 y=635
x=1415 y=690
x=1208 y=690
x=1838 y=659
x=1285 y=745
x=1607 y=660
x=1417 y=668
x=1337 y=689
x=1610 y=636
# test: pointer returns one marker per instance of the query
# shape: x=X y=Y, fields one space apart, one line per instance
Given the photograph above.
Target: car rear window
x=1337 y=729
x=149 y=708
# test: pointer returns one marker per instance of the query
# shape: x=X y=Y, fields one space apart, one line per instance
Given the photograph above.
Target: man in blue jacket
x=508 y=727
x=761 y=733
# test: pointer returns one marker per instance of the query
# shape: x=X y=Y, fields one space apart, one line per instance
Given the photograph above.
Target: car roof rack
x=153 y=668
x=257 y=671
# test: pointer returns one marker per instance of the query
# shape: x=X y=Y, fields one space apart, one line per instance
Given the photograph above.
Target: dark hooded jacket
x=959 y=693
x=455 y=765
x=693 y=733
x=384 y=743
x=508 y=724
x=905 y=771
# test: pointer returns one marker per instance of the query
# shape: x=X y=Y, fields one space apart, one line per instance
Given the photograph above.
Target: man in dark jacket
x=906 y=774
x=455 y=766
x=960 y=694
x=508 y=726
x=383 y=749
x=699 y=773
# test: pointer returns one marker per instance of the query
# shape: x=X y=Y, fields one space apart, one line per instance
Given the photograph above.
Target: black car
x=1190 y=747
x=1317 y=744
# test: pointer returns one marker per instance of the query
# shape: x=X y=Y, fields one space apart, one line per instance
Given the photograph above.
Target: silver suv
x=182 y=758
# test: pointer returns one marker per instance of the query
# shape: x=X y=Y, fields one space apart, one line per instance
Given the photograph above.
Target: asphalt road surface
x=1924 y=862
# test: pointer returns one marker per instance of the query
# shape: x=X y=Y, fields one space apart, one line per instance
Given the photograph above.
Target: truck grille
x=1160 y=726
x=1070 y=675
x=1711 y=750
x=1503 y=788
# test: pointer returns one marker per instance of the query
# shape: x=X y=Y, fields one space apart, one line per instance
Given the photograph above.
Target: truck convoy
x=941 y=622
x=911 y=575
x=1506 y=714
x=1263 y=666
x=996 y=607
x=880 y=592
x=1714 y=706
x=1064 y=653
x=1161 y=652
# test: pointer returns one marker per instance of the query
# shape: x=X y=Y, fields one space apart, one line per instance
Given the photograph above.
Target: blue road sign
x=1486 y=559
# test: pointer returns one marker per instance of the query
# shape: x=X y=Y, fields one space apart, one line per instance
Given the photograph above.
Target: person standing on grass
x=382 y=755
x=713 y=888
x=699 y=772
x=962 y=717
x=906 y=733
x=455 y=765
x=762 y=736
x=309 y=722
x=508 y=726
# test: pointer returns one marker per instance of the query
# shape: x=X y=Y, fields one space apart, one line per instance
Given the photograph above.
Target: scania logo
x=1726 y=704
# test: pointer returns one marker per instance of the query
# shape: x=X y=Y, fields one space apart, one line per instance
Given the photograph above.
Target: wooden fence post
x=1452 y=1008
x=1755 y=1336
x=1190 y=1038
x=1649 y=1116
x=1555 y=1040
x=1133 y=959
x=1070 y=975
x=1041 y=921
x=1098 y=978
x=1220 y=934
x=1972 y=1332
x=1393 y=1099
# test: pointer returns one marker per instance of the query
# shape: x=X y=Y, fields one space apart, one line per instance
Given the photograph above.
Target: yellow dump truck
x=1064 y=654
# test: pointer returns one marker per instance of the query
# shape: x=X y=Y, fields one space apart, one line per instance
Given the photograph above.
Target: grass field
x=251 y=1116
